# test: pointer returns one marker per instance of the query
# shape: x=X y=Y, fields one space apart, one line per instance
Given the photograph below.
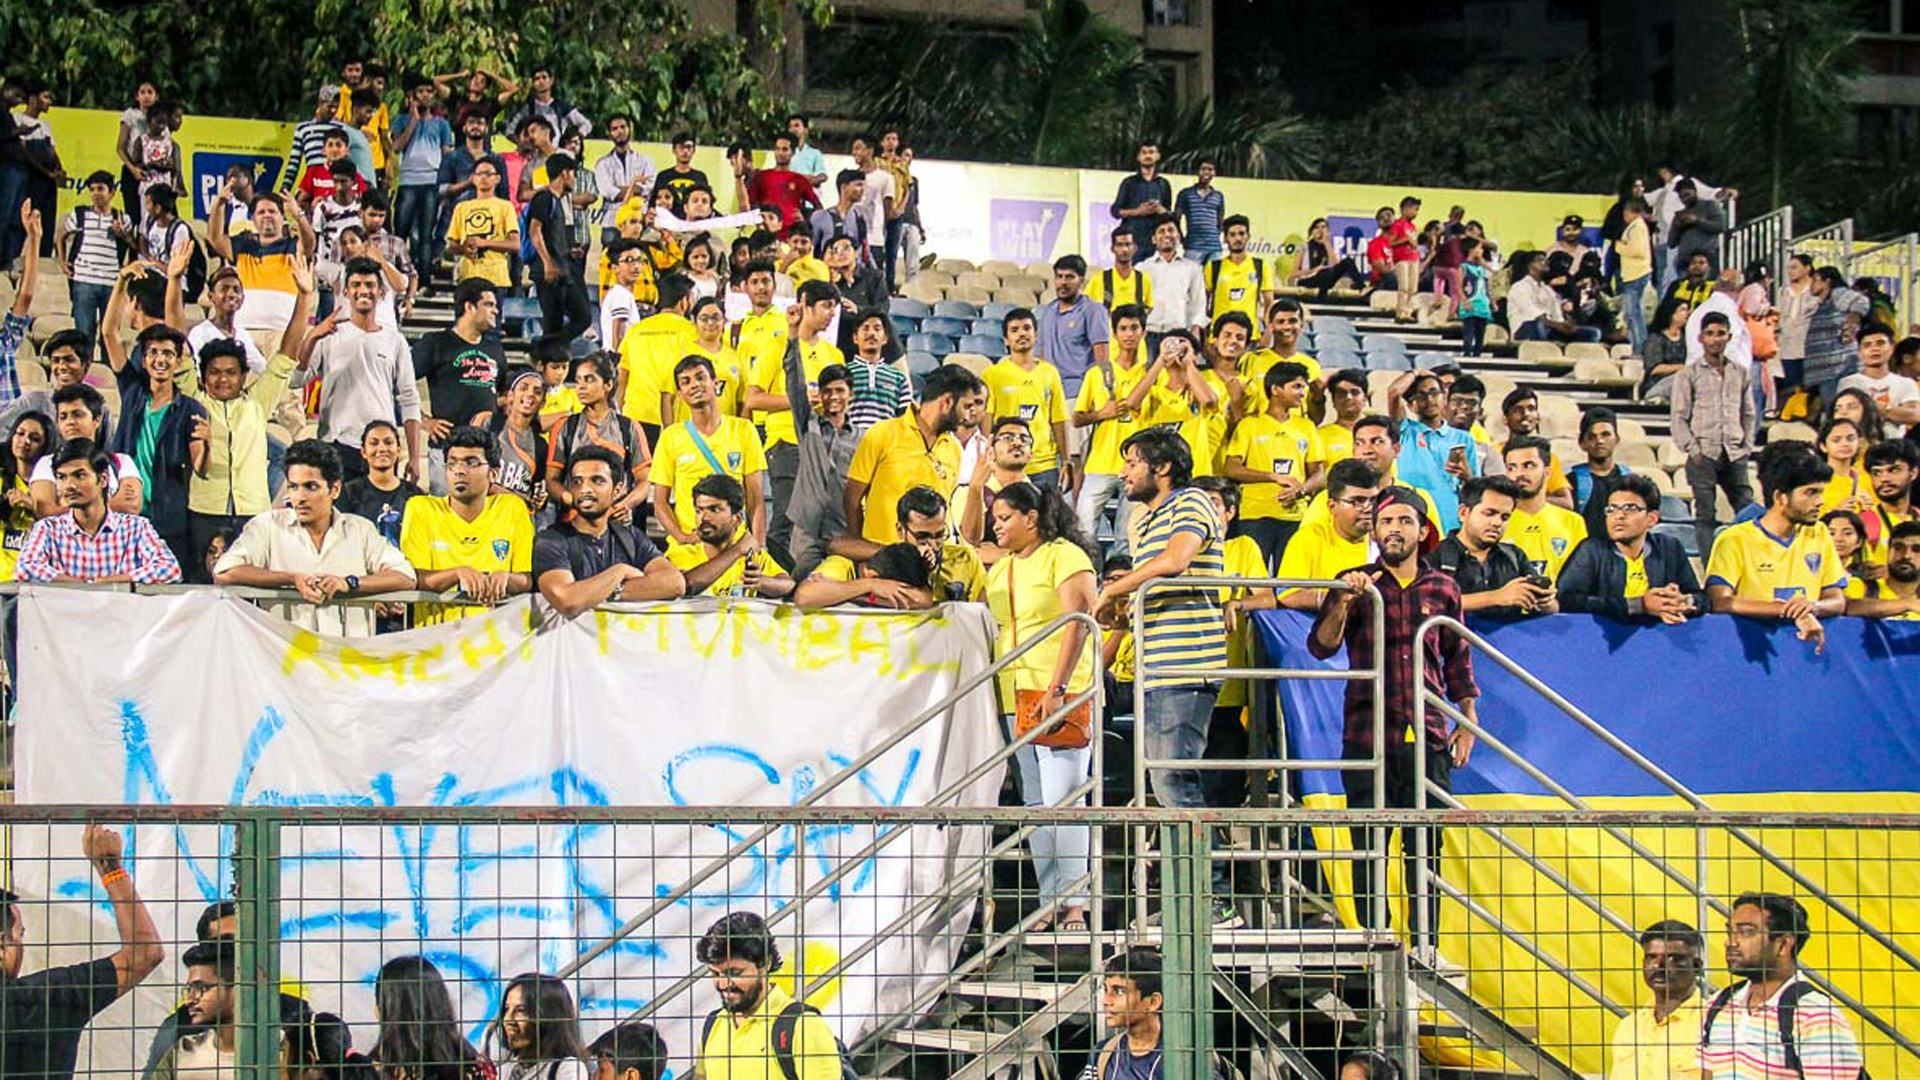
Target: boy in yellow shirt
x=1782 y=564
x=725 y=560
x=705 y=444
x=1023 y=385
x=1277 y=458
x=480 y=542
x=1547 y=532
x=649 y=352
x=1103 y=406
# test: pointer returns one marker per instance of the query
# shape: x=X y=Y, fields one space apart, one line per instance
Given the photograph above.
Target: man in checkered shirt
x=90 y=542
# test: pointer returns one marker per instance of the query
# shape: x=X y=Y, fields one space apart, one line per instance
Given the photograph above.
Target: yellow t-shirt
x=1167 y=407
x=1103 y=449
x=1242 y=558
x=1236 y=286
x=561 y=399
x=1636 y=578
x=379 y=122
x=1032 y=394
x=729 y=382
x=769 y=374
x=1548 y=537
x=893 y=457
x=1317 y=509
x=1023 y=594
x=958 y=562
x=1122 y=667
x=1318 y=552
x=1849 y=484
x=808 y=269
x=1758 y=565
x=434 y=537
x=742 y=1048
x=15 y=524
x=729 y=583
x=1253 y=372
x=679 y=463
x=1336 y=442
x=483 y=219
x=1287 y=447
x=649 y=352
x=1135 y=288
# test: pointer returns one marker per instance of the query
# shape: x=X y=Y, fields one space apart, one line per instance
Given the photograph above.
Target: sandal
x=1074 y=924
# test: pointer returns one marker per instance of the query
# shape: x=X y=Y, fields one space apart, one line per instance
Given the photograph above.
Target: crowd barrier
x=971 y=210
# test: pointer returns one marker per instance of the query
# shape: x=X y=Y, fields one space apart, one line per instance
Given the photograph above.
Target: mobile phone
x=1458 y=454
x=1540 y=581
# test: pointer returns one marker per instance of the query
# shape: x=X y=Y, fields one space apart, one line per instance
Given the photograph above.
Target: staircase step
x=1013 y=990
x=951 y=1040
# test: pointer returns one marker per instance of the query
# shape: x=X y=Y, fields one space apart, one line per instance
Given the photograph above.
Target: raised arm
x=30 y=274
x=217 y=237
x=140 y=949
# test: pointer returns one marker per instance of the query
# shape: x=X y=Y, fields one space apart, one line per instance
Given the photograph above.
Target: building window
x=1173 y=12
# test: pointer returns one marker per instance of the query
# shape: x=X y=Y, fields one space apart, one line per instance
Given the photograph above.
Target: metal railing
x=1425 y=698
x=1831 y=244
x=1765 y=238
x=1896 y=263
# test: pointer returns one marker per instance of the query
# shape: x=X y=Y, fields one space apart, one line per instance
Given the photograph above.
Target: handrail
x=966 y=686
x=1145 y=669
x=1765 y=236
x=1423 y=698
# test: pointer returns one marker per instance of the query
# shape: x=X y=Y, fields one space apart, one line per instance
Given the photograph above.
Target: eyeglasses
x=1624 y=510
x=625 y=260
x=1359 y=502
x=466 y=463
x=1014 y=437
x=200 y=989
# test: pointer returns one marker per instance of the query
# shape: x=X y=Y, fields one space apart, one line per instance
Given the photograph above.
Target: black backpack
x=77 y=236
x=784 y=1026
x=1789 y=1002
x=196 y=279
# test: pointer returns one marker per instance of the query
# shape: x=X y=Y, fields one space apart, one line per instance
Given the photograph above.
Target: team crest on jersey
x=733 y=461
x=1559 y=545
x=1813 y=561
x=500 y=549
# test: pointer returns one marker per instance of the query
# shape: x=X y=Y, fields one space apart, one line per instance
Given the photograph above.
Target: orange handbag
x=1074 y=730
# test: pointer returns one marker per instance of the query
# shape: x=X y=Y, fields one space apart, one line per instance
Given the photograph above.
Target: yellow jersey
x=1318 y=552
x=1758 y=565
x=1646 y=1048
x=649 y=352
x=729 y=382
x=482 y=219
x=1242 y=558
x=1336 y=442
x=1103 y=449
x=434 y=537
x=1317 y=509
x=1236 y=286
x=1636 y=578
x=730 y=582
x=770 y=375
x=1847 y=484
x=1109 y=288
x=1547 y=537
x=958 y=562
x=1033 y=394
x=801 y=271
x=1285 y=447
x=1167 y=407
x=1023 y=594
x=687 y=456
x=1253 y=369
x=15 y=524
x=561 y=399
x=894 y=457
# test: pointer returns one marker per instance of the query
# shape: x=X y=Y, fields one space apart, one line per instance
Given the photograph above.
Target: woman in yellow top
x=1045 y=574
x=1842 y=441
x=30 y=439
x=1849 y=532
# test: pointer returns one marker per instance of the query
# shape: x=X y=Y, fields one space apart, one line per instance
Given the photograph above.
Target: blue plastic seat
x=946 y=325
x=956 y=309
x=909 y=307
x=984 y=344
x=939 y=345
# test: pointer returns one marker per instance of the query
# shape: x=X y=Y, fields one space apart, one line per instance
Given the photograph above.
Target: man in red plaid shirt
x=90 y=542
x=1412 y=593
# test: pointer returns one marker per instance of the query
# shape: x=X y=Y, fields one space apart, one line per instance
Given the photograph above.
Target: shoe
x=1226 y=916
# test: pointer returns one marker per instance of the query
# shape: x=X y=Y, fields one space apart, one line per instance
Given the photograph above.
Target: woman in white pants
x=1046 y=573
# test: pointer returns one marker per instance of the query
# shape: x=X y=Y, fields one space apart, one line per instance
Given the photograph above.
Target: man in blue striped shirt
x=1201 y=207
x=1179 y=535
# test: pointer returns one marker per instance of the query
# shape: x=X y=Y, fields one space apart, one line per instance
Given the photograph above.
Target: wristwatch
x=353 y=583
x=618 y=591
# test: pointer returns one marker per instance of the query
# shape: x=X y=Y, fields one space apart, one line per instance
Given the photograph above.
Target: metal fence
x=919 y=935
x=1896 y=265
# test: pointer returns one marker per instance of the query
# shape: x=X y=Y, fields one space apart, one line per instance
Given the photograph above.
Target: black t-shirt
x=42 y=1015
x=548 y=209
x=462 y=377
x=383 y=508
x=1504 y=563
x=679 y=183
x=562 y=547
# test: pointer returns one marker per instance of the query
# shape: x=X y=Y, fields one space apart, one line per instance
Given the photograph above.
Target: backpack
x=77 y=236
x=196 y=279
x=784 y=1026
x=1789 y=1002
x=1213 y=275
x=528 y=256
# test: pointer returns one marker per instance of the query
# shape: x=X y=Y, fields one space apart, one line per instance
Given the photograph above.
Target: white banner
x=204 y=699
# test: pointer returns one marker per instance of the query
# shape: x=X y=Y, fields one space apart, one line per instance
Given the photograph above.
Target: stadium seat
x=973 y=362
x=1336 y=339
x=1382 y=343
x=936 y=344
x=1427 y=360
x=1387 y=360
x=923 y=291
x=977 y=280
x=919 y=363
x=1621 y=350
x=1042 y=270
x=984 y=325
x=100 y=377
x=935 y=277
x=1001 y=267
x=1323 y=323
x=1378 y=382
x=946 y=327
x=1498 y=335
x=904 y=325
x=33 y=377
x=1792 y=429
x=1633 y=368
x=911 y=308
x=1670 y=455
x=1559 y=417
x=984 y=344
x=1027 y=282
x=1016 y=297
x=955 y=266
x=1632 y=431
x=1637 y=456
x=1383 y=300
x=1540 y=352
x=1335 y=359
x=1587 y=350
x=1600 y=372
x=956 y=309
x=1675 y=508
x=997 y=310
x=1681 y=532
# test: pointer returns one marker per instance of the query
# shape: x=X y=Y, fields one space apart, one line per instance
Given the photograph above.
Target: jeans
x=1096 y=491
x=1538 y=330
x=563 y=307
x=1203 y=255
x=416 y=213
x=13 y=192
x=1060 y=852
x=1271 y=534
x=1045 y=479
x=1632 y=304
x=1400 y=794
x=1473 y=333
x=1704 y=474
x=89 y=304
x=783 y=465
x=1174 y=727
x=895 y=229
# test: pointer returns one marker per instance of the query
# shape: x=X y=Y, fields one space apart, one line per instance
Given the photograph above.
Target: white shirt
x=120 y=466
x=204 y=331
x=364 y=377
x=351 y=547
x=872 y=206
x=1740 y=349
x=612 y=172
x=618 y=303
x=1530 y=299
x=1179 y=292
x=1888 y=389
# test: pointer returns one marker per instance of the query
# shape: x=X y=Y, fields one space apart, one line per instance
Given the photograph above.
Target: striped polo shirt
x=1183 y=627
x=96 y=260
x=1744 y=1044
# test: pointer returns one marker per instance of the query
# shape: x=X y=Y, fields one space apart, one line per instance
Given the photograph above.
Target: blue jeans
x=13 y=192
x=1632 y=295
x=1202 y=254
x=1174 y=727
x=416 y=212
x=1538 y=330
x=89 y=304
x=895 y=230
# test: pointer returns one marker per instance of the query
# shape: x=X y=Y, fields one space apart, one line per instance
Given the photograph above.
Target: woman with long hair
x=1850 y=488
x=1315 y=267
x=1665 y=351
x=1046 y=573
x=1858 y=406
x=1849 y=532
x=539 y=1031
x=29 y=441
x=419 y=1035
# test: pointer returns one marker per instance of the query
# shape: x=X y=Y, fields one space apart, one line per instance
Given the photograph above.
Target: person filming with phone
x=1496 y=578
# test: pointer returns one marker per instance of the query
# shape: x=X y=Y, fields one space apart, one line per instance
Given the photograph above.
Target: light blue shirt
x=1423 y=464
x=1066 y=338
x=361 y=154
x=420 y=161
x=808 y=161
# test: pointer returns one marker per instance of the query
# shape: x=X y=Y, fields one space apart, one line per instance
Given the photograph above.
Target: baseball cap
x=1573 y=219
x=1401 y=495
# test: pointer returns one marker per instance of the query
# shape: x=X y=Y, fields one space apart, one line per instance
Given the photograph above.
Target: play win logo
x=1024 y=230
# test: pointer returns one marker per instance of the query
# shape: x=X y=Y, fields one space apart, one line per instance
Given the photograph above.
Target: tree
x=1797 y=56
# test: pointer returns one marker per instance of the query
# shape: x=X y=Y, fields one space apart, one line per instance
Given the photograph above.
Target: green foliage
x=264 y=60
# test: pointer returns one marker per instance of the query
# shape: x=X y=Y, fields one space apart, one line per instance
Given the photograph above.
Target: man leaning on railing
x=42 y=1015
x=91 y=543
